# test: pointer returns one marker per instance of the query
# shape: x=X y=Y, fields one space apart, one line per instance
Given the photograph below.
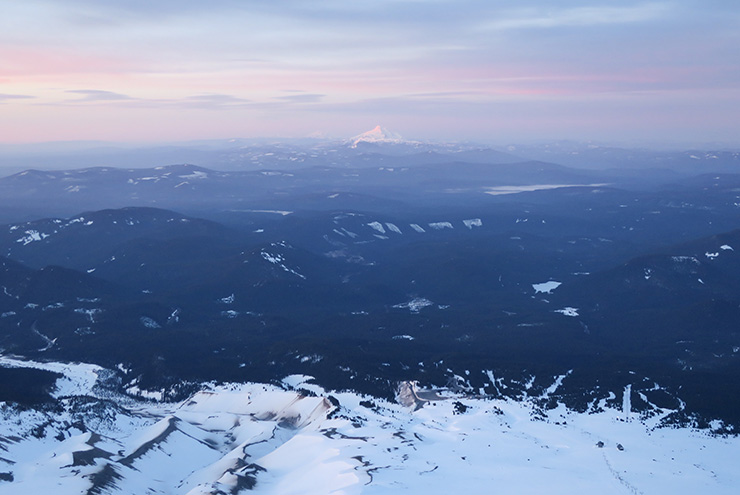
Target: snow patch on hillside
x=77 y=379
x=441 y=225
x=415 y=305
x=32 y=236
x=568 y=311
x=473 y=222
x=377 y=226
x=546 y=287
x=393 y=228
x=279 y=260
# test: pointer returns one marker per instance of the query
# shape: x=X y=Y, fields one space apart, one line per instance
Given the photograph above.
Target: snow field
x=230 y=436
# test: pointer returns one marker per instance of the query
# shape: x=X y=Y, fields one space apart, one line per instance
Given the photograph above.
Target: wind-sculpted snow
x=297 y=438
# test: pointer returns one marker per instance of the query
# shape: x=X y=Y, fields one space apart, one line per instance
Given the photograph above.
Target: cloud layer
x=434 y=68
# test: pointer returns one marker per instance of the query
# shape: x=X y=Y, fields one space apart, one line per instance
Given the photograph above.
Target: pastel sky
x=500 y=71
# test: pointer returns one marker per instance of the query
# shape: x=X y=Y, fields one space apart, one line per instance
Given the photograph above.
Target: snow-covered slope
x=296 y=438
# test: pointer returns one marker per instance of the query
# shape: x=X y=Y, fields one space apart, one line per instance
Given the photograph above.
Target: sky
x=486 y=70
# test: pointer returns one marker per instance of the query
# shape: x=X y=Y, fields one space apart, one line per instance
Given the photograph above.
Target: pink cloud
x=31 y=63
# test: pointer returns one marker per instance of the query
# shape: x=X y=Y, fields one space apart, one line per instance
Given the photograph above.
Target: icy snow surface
x=228 y=438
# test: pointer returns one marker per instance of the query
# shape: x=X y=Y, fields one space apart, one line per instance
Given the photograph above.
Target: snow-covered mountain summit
x=377 y=135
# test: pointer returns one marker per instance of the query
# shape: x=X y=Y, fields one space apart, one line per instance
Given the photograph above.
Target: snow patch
x=377 y=226
x=473 y=222
x=197 y=174
x=77 y=378
x=568 y=311
x=499 y=190
x=32 y=236
x=546 y=287
x=627 y=401
x=279 y=259
x=149 y=322
x=685 y=259
x=392 y=227
x=415 y=305
x=273 y=212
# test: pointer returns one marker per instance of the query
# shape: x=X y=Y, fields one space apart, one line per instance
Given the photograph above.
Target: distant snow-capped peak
x=377 y=135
